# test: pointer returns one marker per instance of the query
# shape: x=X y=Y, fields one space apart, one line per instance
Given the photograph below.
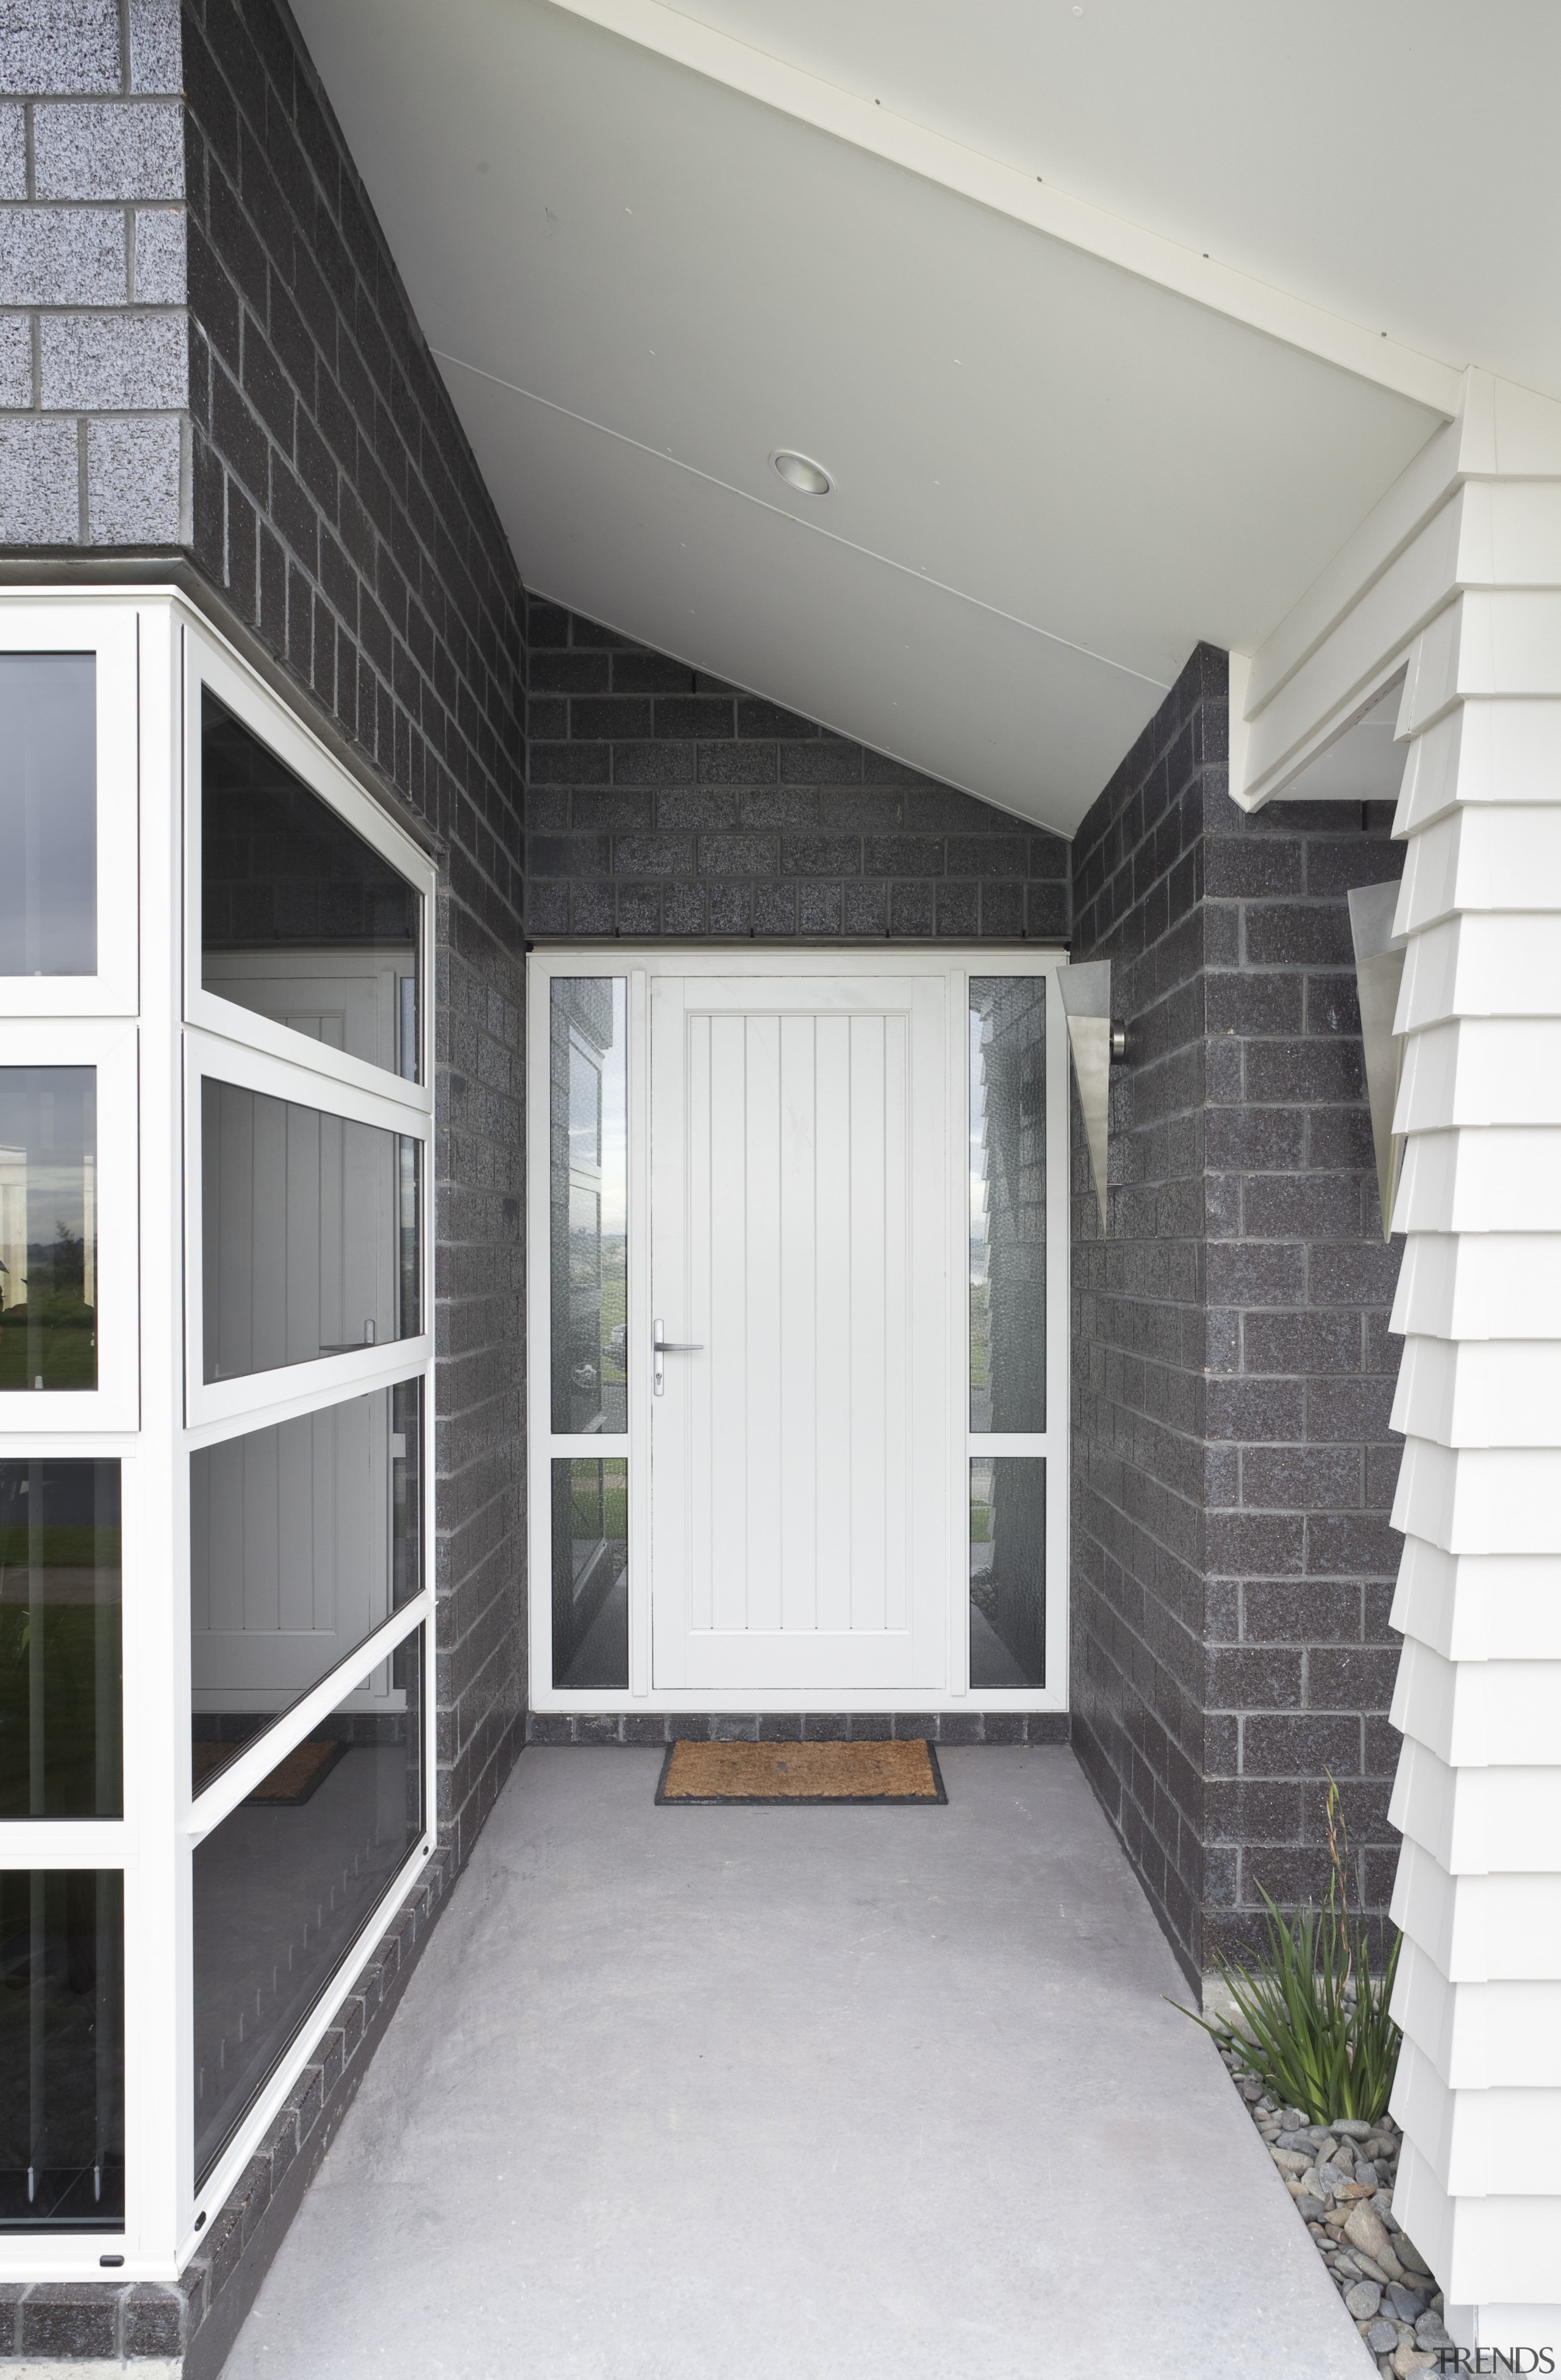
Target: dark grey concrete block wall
x=211 y=374
x=1232 y=1368
x=663 y=802
x=338 y=507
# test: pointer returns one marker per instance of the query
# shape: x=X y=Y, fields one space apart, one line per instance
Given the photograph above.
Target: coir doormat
x=705 y=1773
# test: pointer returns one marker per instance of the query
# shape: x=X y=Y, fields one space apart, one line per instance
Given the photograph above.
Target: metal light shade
x=1085 y=993
x=1379 y=971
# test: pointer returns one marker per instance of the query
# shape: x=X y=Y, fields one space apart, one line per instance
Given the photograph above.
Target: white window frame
x=157 y=650
x=204 y=1812
x=639 y=962
x=206 y=665
x=290 y=1384
x=234 y=1044
x=111 y=1049
x=110 y=634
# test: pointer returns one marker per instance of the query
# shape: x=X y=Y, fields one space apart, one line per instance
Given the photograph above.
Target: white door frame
x=637 y=963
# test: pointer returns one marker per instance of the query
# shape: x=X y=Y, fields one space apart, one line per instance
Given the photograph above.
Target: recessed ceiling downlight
x=799 y=471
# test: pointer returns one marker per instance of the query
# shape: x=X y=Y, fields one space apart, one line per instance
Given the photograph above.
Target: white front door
x=834 y=1186
x=799 y=1264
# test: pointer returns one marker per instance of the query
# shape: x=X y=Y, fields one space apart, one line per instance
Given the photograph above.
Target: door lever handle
x=660 y=1347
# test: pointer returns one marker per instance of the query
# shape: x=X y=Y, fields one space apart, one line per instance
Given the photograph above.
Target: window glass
x=48 y=814
x=304 y=1537
x=1008 y=1570
x=286 y=1884
x=48 y=1227
x=310 y=1233
x=590 y=1573
x=300 y=919
x=62 y=2049
x=59 y=1640
x=589 y=1170
x=1007 y=1203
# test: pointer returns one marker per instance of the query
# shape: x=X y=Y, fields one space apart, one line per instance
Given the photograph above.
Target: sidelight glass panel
x=1008 y=1570
x=1007 y=1203
x=300 y=919
x=60 y=1743
x=48 y=814
x=62 y=2049
x=589 y=1190
x=310 y=1233
x=304 y=1537
x=286 y=1884
x=48 y=1227
x=590 y=1574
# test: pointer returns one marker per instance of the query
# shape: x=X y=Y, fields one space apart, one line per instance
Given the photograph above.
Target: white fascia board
x=1479 y=1607
x=1393 y=522
x=1479 y=1715
x=1026 y=199
x=1497 y=472
x=1289 y=723
x=1500 y=548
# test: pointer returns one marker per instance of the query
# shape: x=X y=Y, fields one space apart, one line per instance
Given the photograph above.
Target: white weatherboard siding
x=1479 y=1699
x=1457 y=585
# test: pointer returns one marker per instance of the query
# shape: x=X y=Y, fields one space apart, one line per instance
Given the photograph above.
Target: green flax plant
x=1313 y=2021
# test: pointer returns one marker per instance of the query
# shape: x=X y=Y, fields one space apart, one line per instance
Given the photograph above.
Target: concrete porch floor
x=770 y=2093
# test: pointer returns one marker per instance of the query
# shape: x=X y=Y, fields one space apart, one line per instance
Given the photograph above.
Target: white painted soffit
x=1054 y=470
x=1393 y=168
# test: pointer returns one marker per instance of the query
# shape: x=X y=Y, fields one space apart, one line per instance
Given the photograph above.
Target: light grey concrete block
x=55 y=256
x=59 y=45
x=89 y=150
x=160 y=278
x=16 y=360
x=12 y=153
x=133 y=483
x=156 y=55
x=121 y=362
x=39 y=485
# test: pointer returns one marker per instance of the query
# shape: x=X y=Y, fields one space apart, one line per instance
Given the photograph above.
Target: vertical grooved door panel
x=801 y=1530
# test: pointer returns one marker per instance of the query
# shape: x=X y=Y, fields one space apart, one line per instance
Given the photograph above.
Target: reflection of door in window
x=13 y=1225
x=589 y=1222
x=305 y=1536
x=310 y=1232
x=362 y=1001
x=301 y=920
x=289 y=1553
x=48 y=1227
x=585 y=1230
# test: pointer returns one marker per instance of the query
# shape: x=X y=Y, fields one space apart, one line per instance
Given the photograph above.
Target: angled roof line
x=866 y=124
